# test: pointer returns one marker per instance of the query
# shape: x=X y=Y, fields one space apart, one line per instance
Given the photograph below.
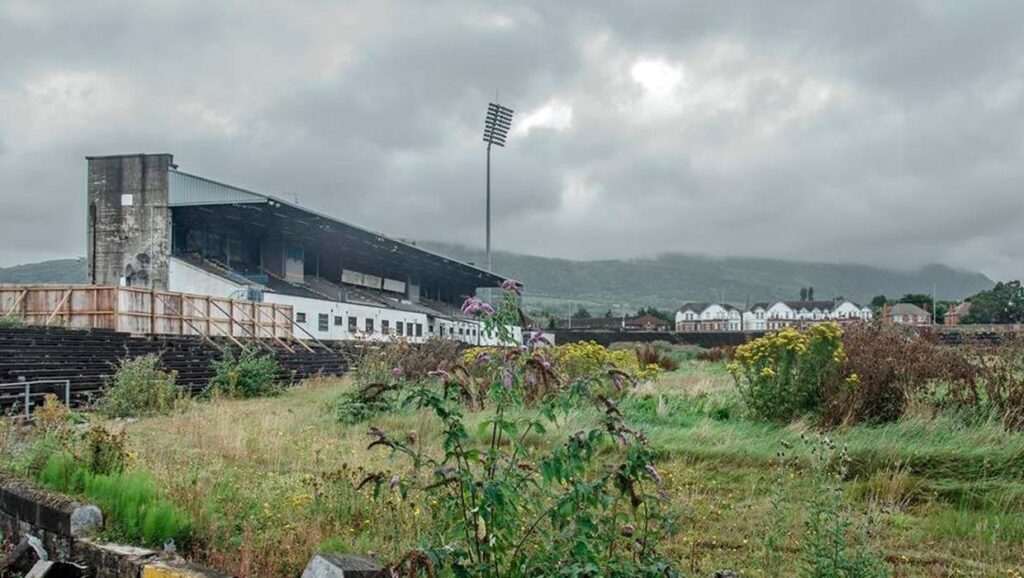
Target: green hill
x=667 y=281
x=56 y=271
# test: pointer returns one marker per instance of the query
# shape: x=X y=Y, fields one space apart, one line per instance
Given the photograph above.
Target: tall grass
x=135 y=510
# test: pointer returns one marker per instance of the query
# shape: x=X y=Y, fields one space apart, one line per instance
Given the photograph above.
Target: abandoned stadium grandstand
x=153 y=226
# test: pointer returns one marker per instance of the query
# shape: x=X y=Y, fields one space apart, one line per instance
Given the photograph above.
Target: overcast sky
x=862 y=131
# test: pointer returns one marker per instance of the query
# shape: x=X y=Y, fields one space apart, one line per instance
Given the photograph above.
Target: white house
x=700 y=317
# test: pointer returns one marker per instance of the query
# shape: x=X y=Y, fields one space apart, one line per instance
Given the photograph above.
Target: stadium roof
x=188 y=190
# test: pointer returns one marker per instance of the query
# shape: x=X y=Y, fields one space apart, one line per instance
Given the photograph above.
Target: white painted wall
x=314 y=308
x=187 y=278
x=184 y=277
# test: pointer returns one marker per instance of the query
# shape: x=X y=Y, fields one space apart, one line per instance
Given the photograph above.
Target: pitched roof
x=696 y=307
x=907 y=309
x=961 y=309
x=821 y=304
x=700 y=306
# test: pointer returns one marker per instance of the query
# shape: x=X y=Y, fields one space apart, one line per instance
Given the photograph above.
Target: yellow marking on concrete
x=161 y=571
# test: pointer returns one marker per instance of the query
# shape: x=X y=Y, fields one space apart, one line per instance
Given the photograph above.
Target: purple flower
x=510 y=285
x=443 y=471
x=471 y=306
x=487 y=309
x=394 y=482
x=651 y=471
x=483 y=358
x=537 y=336
x=396 y=372
x=506 y=378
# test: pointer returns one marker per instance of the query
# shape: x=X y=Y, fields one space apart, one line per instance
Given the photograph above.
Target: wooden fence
x=144 y=311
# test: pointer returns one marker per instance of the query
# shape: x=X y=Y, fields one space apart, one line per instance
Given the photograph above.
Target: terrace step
x=89 y=358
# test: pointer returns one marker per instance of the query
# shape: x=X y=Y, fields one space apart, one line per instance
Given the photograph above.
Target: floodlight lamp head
x=496 y=124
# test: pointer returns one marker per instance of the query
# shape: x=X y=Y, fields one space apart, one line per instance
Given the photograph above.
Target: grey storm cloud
x=877 y=132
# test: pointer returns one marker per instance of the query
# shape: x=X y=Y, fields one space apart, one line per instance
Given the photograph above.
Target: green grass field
x=268 y=481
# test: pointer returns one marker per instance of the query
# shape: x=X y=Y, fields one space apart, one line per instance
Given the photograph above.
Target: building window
x=369 y=325
x=300 y=317
x=353 y=324
x=323 y=322
x=338 y=321
x=385 y=326
x=399 y=328
x=419 y=330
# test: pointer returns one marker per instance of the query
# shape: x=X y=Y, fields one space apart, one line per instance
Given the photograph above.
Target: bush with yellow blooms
x=781 y=376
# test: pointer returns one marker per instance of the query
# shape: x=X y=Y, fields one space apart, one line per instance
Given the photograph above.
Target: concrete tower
x=129 y=221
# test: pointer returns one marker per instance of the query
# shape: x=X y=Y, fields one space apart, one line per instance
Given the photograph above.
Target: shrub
x=140 y=388
x=409 y=361
x=780 y=376
x=105 y=452
x=886 y=366
x=574 y=361
x=12 y=322
x=650 y=355
x=52 y=415
x=362 y=403
x=994 y=386
x=716 y=354
x=249 y=374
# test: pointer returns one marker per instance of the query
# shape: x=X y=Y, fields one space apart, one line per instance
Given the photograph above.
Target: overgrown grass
x=136 y=511
x=268 y=481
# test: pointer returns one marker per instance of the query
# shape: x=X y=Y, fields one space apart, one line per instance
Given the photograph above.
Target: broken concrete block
x=86 y=519
x=178 y=569
x=335 y=566
x=49 y=569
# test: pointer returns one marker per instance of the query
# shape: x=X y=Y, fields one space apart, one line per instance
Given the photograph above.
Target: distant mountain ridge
x=665 y=282
x=64 y=271
x=669 y=280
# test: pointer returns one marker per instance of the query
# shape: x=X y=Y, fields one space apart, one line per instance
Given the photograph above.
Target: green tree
x=1004 y=303
x=810 y=293
x=803 y=293
x=878 y=301
x=607 y=314
x=581 y=313
x=552 y=324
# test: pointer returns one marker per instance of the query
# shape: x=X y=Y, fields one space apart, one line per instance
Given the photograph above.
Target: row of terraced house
x=768 y=316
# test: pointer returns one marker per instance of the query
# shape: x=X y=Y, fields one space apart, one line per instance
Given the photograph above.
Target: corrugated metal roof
x=186 y=190
x=189 y=190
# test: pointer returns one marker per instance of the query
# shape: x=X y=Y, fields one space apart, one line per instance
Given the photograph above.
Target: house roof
x=961 y=309
x=700 y=306
x=907 y=309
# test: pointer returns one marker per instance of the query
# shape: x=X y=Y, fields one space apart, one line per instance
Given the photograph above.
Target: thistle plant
x=589 y=506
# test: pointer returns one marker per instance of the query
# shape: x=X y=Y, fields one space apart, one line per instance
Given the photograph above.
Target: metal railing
x=24 y=388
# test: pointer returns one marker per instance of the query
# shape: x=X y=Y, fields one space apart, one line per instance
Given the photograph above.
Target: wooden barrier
x=144 y=311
